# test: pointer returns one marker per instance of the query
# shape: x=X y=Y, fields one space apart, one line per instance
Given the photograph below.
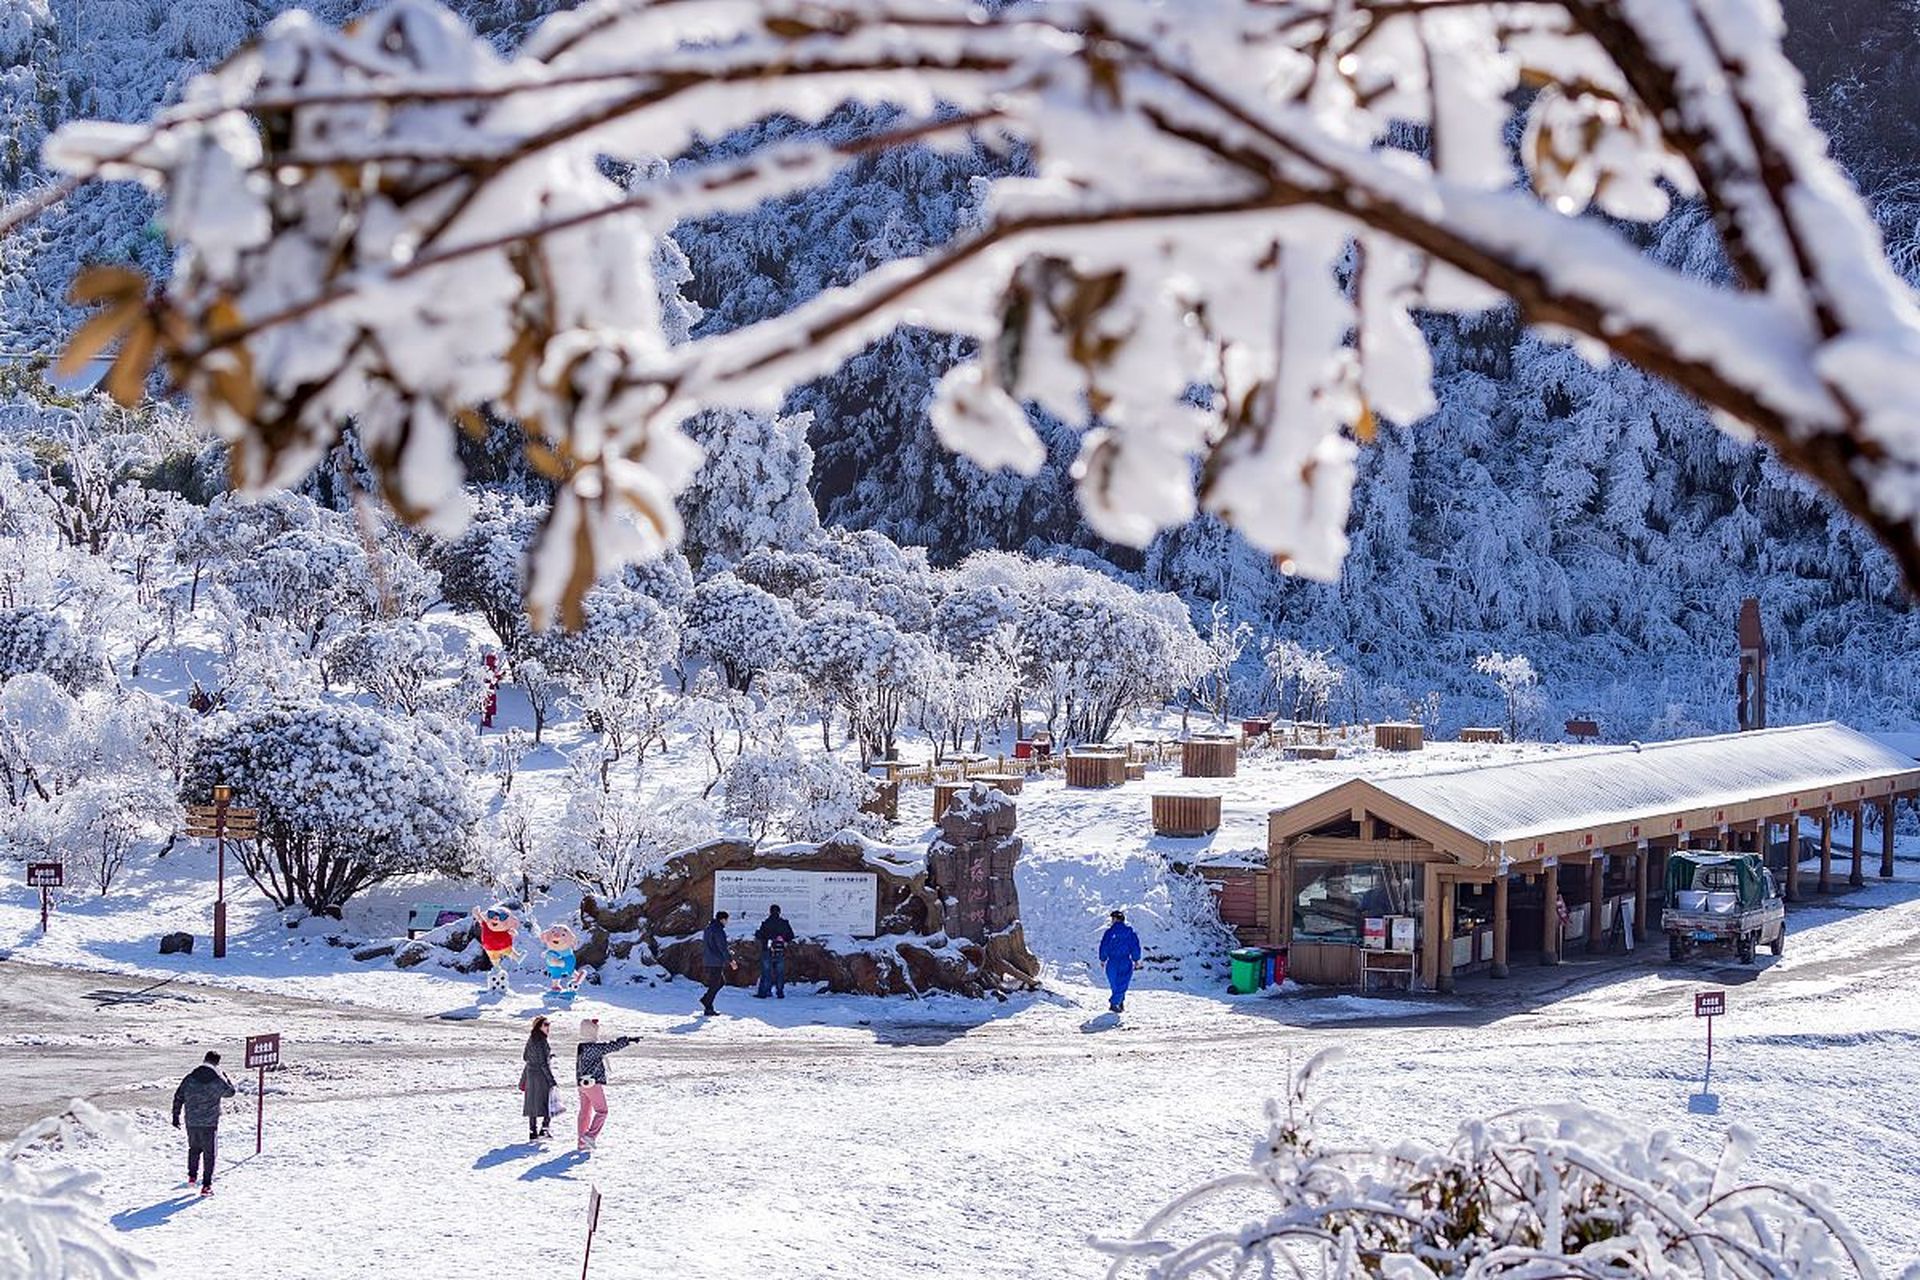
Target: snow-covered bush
x=480 y=570
x=1546 y=1193
x=53 y=1223
x=1519 y=686
x=1302 y=680
x=347 y=796
x=609 y=838
x=865 y=665
x=737 y=627
x=40 y=640
x=774 y=788
x=511 y=853
x=397 y=662
x=751 y=492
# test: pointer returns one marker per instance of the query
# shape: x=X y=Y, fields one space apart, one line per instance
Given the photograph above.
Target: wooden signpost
x=220 y=822
x=263 y=1052
x=593 y=1224
x=46 y=877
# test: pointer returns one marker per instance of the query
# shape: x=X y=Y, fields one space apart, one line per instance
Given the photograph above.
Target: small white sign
x=816 y=903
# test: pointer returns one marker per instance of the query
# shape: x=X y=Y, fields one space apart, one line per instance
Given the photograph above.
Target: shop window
x=1332 y=900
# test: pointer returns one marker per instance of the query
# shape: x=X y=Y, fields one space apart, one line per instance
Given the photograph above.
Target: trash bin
x=1276 y=966
x=1247 y=962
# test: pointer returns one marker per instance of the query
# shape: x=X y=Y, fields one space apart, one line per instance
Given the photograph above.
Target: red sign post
x=262 y=1052
x=593 y=1224
x=1709 y=1005
x=46 y=877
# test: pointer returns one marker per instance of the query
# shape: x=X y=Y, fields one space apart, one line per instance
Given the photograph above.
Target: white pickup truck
x=1722 y=898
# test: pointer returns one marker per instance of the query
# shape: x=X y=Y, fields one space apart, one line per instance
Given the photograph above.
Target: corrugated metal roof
x=1508 y=802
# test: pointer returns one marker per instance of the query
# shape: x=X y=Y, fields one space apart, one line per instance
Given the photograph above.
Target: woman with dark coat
x=537 y=1082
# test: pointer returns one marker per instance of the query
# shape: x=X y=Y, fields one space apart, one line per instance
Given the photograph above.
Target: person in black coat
x=716 y=959
x=774 y=934
x=537 y=1081
x=199 y=1097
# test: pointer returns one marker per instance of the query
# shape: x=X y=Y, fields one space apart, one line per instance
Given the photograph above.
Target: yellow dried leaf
x=127 y=380
x=106 y=284
x=93 y=337
x=1367 y=427
x=573 y=598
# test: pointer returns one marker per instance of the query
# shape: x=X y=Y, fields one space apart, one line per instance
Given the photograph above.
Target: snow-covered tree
x=348 y=797
x=512 y=852
x=41 y=641
x=397 y=662
x=775 y=788
x=866 y=666
x=1519 y=686
x=737 y=627
x=610 y=837
x=1304 y=680
x=751 y=492
x=1223 y=642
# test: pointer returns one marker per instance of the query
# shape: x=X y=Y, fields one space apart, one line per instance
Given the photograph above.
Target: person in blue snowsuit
x=1119 y=952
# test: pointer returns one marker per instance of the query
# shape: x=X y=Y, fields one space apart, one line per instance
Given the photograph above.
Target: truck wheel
x=1676 y=947
x=1744 y=948
x=1780 y=941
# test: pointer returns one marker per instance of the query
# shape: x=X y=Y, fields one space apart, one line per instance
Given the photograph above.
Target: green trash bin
x=1247 y=965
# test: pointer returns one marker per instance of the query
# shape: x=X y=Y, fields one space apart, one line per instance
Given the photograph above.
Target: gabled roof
x=1609 y=794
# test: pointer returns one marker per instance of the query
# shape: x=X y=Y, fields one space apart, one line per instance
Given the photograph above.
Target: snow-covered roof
x=1607 y=790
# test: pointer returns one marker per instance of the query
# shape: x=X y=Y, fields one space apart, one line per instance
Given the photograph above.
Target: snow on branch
x=1550 y=1193
x=1232 y=211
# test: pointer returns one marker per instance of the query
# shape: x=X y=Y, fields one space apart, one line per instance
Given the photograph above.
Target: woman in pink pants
x=590 y=1068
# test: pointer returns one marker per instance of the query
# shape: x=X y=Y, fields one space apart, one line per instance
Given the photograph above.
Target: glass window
x=1332 y=900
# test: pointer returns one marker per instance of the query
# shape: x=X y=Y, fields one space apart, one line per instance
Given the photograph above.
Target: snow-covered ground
x=838 y=1136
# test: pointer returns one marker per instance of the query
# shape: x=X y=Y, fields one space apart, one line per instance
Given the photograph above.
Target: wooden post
x=1640 y=894
x=1430 y=928
x=1886 y=838
x=1500 y=895
x=1549 y=915
x=1449 y=907
x=1596 y=900
x=1826 y=849
x=1855 y=874
x=1793 y=856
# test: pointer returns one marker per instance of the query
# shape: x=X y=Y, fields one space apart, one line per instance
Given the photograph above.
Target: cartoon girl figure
x=563 y=975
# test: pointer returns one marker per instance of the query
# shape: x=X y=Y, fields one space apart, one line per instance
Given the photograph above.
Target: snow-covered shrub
x=53 y=1223
x=1302 y=680
x=737 y=627
x=511 y=854
x=96 y=826
x=480 y=570
x=867 y=666
x=348 y=797
x=774 y=788
x=610 y=837
x=1545 y=1193
x=40 y=640
x=1519 y=686
x=396 y=662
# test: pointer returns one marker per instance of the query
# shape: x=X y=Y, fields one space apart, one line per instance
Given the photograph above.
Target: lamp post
x=219 y=822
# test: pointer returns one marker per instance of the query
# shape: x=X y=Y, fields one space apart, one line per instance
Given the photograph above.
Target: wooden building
x=1536 y=856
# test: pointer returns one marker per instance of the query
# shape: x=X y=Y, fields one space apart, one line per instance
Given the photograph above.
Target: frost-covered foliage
x=609 y=838
x=1550 y=1193
x=40 y=641
x=399 y=663
x=1301 y=681
x=738 y=627
x=1519 y=686
x=865 y=665
x=752 y=490
x=53 y=1223
x=347 y=796
x=1269 y=250
x=777 y=789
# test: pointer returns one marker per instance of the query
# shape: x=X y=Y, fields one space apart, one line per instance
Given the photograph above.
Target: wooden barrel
x=1136 y=771
x=1398 y=737
x=1305 y=752
x=1096 y=769
x=1483 y=735
x=1008 y=783
x=1209 y=758
x=1186 y=815
x=943 y=794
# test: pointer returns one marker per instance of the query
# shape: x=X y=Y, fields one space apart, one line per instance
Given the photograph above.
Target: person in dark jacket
x=1119 y=952
x=774 y=933
x=714 y=955
x=537 y=1082
x=590 y=1068
x=200 y=1096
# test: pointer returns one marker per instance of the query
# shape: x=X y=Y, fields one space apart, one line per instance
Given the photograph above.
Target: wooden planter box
x=1483 y=735
x=1311 y=753
x=1255 y=728
x=1186 y=815
x=1136 y=771
x=1096 y=769
x=1209 y=758
x=1398 y=737
x=943 y=794
x=1007 y=783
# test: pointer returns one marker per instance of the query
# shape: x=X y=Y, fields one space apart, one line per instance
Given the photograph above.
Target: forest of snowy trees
x=1591 y=519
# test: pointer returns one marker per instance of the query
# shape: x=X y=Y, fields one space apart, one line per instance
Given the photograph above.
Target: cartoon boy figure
x=563 y=977
x=498 y=924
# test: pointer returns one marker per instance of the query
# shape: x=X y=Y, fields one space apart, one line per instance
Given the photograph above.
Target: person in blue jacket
x=1119 y=952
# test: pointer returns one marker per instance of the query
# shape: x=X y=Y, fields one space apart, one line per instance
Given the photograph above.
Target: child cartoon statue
x=563 y=975
x=498 y=925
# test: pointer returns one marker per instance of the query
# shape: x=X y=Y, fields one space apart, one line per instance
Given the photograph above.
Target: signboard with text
x=817 y=903
x=1709 y=1004
x=46 y=875
x=263 y=1051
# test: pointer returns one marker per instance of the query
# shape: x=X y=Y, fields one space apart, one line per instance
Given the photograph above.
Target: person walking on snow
x=537 y=1082
x=590 y=1068
x=774 y=933
x=1119 y=952
x=200 y=1096
x=715 y=956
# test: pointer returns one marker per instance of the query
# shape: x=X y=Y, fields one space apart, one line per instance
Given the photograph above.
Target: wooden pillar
x=1793 y=856
x=1500 y=927
x=1430 y=926
x=1856 y=875
x=1280 y=894
x=1596 y=894
x=1826 y=849
x=1640 y=894
x=1886 y=837
x=1449 y=906
x=1549 y=916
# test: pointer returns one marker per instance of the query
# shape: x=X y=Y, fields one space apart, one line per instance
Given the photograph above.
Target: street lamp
x=221 y=821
